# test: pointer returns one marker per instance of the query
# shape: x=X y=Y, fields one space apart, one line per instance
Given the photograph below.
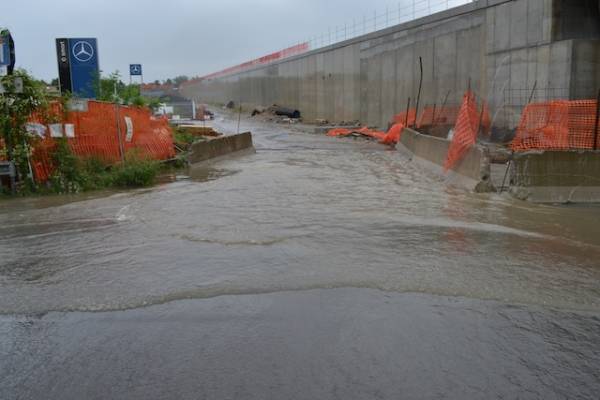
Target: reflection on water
x=306 y=211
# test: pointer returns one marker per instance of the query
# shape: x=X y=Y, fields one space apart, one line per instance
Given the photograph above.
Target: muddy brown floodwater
x=317 y=268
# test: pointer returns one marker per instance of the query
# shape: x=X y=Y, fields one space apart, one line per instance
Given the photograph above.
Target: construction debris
x=278 y=114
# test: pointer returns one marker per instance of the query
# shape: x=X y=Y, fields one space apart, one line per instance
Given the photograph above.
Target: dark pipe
x=288 y=112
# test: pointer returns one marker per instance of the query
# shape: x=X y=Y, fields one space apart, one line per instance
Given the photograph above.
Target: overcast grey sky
x=176 y=37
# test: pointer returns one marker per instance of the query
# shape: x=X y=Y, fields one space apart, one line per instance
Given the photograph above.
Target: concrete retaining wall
x=221 y=146
x=473 y=172
x=497 y=44
x=556 y=176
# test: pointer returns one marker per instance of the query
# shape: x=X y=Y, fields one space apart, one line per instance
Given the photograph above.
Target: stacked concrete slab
x=497 y=45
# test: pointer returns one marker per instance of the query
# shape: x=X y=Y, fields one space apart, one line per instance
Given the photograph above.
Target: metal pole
x=239 y=117
x=9 y=152
x=597 y=121
x=375 y=21
x=387 y=16
x=407 y=110
x=121 y=149
x=445 y=100
x=532 y=92
x=399 y=13
x=512 y=154
x=419 y=94
x=480 y=116
x=433 y=115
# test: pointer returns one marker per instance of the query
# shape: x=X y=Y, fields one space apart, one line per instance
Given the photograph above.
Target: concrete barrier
x=472 y=172
x=556 y=176
x=221 y=146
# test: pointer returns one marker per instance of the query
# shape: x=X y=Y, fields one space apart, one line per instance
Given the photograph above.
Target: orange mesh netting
x=400 y=118
x=362 y=131
x=438 y=116
x=465 y=131
x=557 y=125
x=392 y=136
x=96 y=135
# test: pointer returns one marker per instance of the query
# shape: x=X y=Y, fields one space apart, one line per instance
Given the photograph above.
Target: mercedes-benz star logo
x=135 y=69
x=83 y=51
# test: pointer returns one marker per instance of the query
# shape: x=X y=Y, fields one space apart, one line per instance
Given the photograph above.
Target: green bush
x=135 y=172
x=67 y=176
x=73 y=175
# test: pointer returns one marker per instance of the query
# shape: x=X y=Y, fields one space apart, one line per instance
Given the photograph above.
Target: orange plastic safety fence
x=41 y=160
x=438 y=116
x=465 y=131
x=400 y=118
x=392 y=136
x=362 y=131
x=98 y=135
x=557 y=125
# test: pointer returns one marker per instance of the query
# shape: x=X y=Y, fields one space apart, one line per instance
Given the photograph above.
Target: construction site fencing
x=469 y=122
x=402 y=12
x=558 y=125
x=391 y=137
x=104 y=131
x=408 y=118
x=436 y=115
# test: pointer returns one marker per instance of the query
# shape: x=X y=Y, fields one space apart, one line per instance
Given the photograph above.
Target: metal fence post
x=375 y=21
x=387 y=17
x=597 y=121
x=399 y=13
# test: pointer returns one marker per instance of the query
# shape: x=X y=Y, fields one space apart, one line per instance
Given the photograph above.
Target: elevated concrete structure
x=498 y=45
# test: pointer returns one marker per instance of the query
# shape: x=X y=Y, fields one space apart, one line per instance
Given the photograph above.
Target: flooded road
x=316 y=268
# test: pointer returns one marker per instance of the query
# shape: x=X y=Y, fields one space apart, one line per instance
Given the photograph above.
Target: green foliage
x=113 y=89
x=183 y=138
x=74 y=175
x=67 y=176
x=135 y=172
x=180 y=79
x=15 y=109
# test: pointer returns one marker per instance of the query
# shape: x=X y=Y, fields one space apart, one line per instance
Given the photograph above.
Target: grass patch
x=135 y=172
x=74 y=175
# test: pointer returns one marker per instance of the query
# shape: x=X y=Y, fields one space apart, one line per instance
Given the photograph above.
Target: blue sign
x=135 y=69
x=7 y=53
x=85 y=71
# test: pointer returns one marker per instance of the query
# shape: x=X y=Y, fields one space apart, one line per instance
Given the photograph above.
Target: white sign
x=70 y=130
x=33 y=128
x=56 y=130
x=129 y=124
